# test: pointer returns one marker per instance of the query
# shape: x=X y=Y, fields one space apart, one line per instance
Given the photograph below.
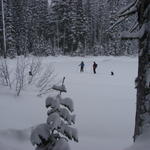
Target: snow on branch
x=125 y=13
x=129 y=12
x=71 y=133
x=115 y=24
x=61 y=144
x=61 y=88
x=67 y=102
x=127 y=35
x=64 y=113
x=54 y=121
x=134 y=27
x=68 y=131
x=52 y=102
x=123 y=10
x=40 y=133
x=135 y=35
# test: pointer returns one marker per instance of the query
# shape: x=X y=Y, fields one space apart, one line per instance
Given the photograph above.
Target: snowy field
x=104 y=104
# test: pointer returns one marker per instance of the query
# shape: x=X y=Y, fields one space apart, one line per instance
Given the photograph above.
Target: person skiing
x=94 y=67
x=81 y=66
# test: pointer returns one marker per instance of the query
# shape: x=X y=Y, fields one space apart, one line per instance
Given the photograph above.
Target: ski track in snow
x=104 y=104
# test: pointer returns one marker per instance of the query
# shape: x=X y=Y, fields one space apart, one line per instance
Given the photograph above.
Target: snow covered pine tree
x=54 y=134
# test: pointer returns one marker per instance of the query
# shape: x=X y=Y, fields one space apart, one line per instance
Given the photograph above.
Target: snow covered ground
x=104 y=104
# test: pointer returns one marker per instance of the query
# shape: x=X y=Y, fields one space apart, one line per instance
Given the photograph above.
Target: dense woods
x=74 y=27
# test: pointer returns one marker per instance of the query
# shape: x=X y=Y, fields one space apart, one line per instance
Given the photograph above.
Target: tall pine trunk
x=4 y=31
x=143 y=81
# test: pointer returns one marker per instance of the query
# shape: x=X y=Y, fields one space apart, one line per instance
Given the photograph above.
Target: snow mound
x=20 y=135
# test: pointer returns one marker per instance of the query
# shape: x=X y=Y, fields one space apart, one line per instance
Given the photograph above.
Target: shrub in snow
x=45 y=81
x=27 y=72
x=4 y=73
x=55 y=133
x=20 y=74
x=34 y=69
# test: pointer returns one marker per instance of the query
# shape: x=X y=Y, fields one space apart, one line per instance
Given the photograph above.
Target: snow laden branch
x=135 y=35
x=118 y=22
x=129 y=12
x=124 y=14
x=58 y=130
x=20 y=74
x=134 y=27
x=39 y=133
x=126 y=8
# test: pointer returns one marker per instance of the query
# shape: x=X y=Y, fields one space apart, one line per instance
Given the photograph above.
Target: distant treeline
x=73 y=27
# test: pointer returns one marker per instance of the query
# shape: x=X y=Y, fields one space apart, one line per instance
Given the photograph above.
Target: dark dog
x=112 y=73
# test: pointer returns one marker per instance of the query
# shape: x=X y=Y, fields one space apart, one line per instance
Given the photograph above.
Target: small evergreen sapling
x=55 y=133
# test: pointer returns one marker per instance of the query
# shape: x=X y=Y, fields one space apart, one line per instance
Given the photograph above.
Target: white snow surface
x=104 y=105
x=143 y=141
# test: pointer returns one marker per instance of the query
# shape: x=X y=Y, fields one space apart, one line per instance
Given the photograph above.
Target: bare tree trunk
x=4 y=31
x=143 y=83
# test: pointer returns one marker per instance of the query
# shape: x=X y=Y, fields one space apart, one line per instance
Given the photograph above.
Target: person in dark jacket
x=94 y=67
x=81 y=66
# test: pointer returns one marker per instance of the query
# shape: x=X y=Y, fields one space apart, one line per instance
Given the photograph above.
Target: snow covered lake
x=104 y=104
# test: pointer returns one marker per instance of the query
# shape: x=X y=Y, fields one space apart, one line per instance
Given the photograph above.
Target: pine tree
x=63 y=24
x=10 y=41
x=68 y=24
x=54 y=134
x=54 y=23
x=37 y=24
x=80 y=25
x=71 y=37
x=88 y=13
